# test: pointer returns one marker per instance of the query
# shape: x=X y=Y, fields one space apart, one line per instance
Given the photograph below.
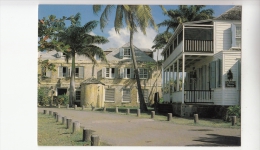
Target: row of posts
x=87 y=133
x=169 y=117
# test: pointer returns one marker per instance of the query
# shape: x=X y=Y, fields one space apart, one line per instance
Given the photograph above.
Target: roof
x=233 y=13
x=92 y=80
x=112 y=54
x=140 y=54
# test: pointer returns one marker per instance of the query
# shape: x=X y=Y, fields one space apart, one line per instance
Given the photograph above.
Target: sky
x=118 y=40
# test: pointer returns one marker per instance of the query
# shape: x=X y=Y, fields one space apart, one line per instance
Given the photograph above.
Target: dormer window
x=127 y=53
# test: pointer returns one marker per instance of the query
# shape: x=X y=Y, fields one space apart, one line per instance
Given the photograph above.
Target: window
x=143 y=73
x=108 y=72
x=126 y=95
x=127 y=53
x=97 y=57
x=63 y=71
x=236 y=35
x=77 y=95
x=79 y=72
x=127 y=73
x=46 y=73
x=145 y=94
x=109 y=95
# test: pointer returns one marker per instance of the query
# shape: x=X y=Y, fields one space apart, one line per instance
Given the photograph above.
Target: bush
x=43 y=98
x=63 y=99
x=234 y=111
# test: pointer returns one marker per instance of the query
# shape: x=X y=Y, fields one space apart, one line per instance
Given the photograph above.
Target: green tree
x=183 y=14
x=134 y=16
x=81 y=42
x=71 y=40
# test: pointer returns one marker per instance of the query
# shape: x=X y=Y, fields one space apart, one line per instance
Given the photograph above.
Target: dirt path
x=122 y=130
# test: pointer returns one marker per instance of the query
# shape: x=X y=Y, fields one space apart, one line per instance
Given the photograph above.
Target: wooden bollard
x=54 y=115
x=58 y=118
x=104 y=109
x=83 y=107
x=44 y=111
x=233 y=120
x=69 y=123
x=50 y=112
x=94 y=140
x=68 y=106
x=138 y=112
x=76 y=126
x=152 y=114
x=75 y=107
x=196 y=118
x=64 y=119
x=169 y=117
x=86 y=134
x=127 y=111
x=58 y=105
x=116 y=109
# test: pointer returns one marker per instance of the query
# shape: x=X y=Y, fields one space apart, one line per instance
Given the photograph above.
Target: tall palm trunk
x=72 y=81
x=143 y=106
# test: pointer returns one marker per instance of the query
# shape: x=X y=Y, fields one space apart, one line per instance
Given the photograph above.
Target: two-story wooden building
x=110 y=83
x=202 y=63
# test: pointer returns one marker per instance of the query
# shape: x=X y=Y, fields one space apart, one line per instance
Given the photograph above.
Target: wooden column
x=64 y=118
x=116 y=109
x=178 y=76
x=183 y=70
x=127 y=111
x=152 y=114
x=69 y=123
x=138 y=112
x=169 y=117
x=76 y=126
x=94 y=140
x=86 y=134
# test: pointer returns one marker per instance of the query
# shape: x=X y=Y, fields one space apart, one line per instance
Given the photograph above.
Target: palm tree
x=81 y=42
x=183 y=14
x=134 y=16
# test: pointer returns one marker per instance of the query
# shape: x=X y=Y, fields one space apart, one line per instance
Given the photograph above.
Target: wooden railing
x=198 y=96
x=198 y=46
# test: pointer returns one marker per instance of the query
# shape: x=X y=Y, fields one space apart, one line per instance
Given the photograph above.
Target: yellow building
x=110 y=83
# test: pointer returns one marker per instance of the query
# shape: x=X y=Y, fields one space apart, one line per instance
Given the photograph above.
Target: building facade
x=202 y=63
x=110 y=83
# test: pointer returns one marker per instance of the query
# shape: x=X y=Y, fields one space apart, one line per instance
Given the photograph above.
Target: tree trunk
x=72 y=82
x=143 y=106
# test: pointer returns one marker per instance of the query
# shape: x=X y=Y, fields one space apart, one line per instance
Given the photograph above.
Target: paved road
x=123 y=130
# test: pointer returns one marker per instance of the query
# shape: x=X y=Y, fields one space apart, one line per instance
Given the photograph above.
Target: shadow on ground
x=218 y=140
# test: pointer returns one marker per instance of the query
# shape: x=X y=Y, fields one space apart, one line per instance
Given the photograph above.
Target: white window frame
x=142 y=74
x=105 y=96
x=127 y=53
x=123 y=101
x=127 y=76
x=235 y=36
x=109 y=74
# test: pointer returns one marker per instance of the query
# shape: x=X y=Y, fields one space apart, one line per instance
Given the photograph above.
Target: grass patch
x=52 y=133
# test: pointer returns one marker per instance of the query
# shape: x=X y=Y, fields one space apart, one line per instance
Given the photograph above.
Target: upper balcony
x=190 y=38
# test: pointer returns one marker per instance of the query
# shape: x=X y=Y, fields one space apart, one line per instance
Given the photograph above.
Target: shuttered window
x=109 y=72
x=110 y=95
x=236 y=35
x=143 y=73
x=63 y=72
x=46 y=73
x=79 y=72
x=126 y=95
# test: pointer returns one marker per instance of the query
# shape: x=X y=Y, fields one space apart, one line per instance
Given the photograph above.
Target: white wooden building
x=205 y=56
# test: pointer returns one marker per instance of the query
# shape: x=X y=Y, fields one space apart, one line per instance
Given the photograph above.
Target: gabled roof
x=233 y=13
x=92 y=80
x=141 y=56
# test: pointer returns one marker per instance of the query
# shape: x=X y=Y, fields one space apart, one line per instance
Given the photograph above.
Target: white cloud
x=140 y=40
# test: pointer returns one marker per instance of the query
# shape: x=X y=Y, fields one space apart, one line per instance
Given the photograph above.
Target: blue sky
x=116 y=40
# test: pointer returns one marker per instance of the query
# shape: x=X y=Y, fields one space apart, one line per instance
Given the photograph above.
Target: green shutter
x=103 y=72
x=213 y=74
x=81 y=72
x=220 y=72
x=121 y=52
x=60 y=71
x=239 y=75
